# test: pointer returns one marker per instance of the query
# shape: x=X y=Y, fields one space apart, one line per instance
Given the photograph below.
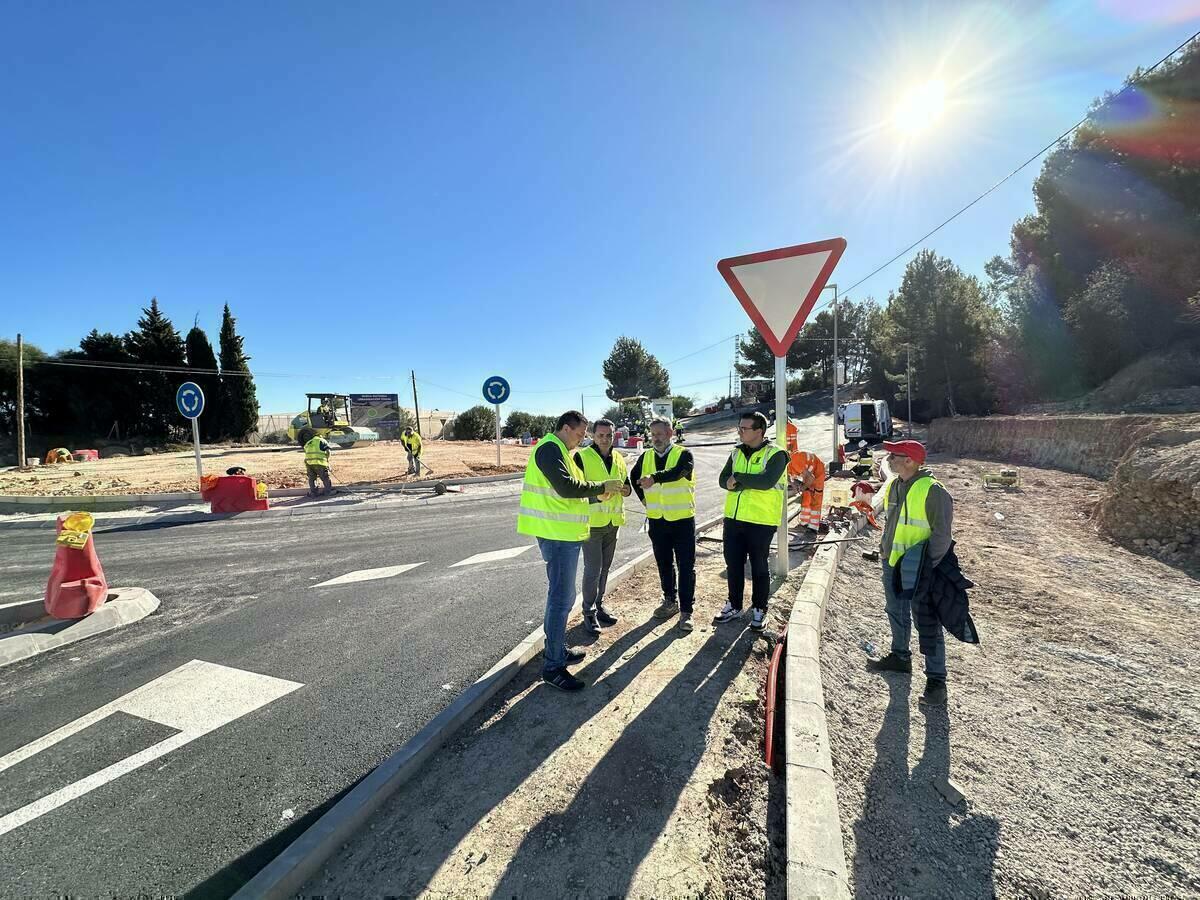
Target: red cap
x=914 y=450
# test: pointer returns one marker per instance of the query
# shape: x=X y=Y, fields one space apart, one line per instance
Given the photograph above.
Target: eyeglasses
x=748 y=428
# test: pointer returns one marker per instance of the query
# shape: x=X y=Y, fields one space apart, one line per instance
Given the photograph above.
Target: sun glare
x=919 y=108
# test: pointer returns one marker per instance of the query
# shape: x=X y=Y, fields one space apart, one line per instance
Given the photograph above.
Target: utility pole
x=581 y=409
x=416 y=408
x=908 y=389
x=20 y=403
x=836 y=431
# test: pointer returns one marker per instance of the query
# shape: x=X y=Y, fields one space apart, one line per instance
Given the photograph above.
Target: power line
x=1062 y=137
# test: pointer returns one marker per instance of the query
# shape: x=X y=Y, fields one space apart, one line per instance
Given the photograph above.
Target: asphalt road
x=314 y=685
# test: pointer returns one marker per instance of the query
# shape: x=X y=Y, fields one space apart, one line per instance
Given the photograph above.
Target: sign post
x=496 y=391
x=778 y=289
x=189 y=400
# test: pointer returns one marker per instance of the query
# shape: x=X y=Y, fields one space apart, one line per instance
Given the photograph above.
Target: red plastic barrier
x=234 y=493
x=77 y=586
x=85 y=455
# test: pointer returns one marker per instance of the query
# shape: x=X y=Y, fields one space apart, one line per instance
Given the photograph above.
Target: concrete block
x=814 y=831
x=803 y=641
x=806 y=883
x=806 y=741
x=802 y=680
x=126 y=606
x=22 y=611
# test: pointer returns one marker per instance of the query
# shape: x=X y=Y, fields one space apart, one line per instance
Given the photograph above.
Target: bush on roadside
x=475 y=424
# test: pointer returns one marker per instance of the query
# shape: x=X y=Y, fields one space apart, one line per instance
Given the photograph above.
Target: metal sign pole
x=781 y=550
x=497 y=434
x=196 y=444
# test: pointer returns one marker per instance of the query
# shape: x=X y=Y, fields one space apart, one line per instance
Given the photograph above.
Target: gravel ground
x=1073 y=734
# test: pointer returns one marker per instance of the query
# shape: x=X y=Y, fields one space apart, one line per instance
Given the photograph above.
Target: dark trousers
x=745 y=539
x=675 y=547
x=315 y=472
x=598 y=552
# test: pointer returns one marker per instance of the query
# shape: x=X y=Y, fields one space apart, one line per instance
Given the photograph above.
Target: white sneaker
x=728 y=614
x=758 y=619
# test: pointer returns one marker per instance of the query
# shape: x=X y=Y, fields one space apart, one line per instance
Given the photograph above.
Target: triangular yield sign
x=778 y=288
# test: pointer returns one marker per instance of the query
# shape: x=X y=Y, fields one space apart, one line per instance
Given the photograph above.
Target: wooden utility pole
x=20 y=403
x=416 y=408
x=908 y=390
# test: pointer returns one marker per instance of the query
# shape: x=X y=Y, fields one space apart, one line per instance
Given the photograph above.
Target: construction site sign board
x=778 y=288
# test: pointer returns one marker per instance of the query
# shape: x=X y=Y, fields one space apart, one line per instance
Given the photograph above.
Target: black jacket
x=940 y=601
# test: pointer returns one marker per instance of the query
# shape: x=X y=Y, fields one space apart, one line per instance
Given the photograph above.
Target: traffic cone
x=77 y=586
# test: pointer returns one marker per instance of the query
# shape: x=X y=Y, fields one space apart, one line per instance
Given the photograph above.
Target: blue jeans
x=562 y=562
x=899 y=613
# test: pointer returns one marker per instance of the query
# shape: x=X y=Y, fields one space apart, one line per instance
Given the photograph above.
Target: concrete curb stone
x=22 y=611
x=816 y=856
x=286 y=874
x=127 y=606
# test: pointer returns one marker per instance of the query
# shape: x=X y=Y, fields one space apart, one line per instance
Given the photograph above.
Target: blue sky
x=476 y=189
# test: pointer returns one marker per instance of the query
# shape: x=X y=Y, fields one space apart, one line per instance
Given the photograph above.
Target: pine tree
x=200 y=356
x=156 y=343
x=239 y=400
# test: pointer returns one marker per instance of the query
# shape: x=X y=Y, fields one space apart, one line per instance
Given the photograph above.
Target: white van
x=866 y=420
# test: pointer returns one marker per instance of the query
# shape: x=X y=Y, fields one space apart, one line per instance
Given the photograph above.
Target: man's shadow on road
x=595 y=846
x=906 y=828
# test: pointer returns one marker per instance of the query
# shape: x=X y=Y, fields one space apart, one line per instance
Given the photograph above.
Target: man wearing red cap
x=920 y=513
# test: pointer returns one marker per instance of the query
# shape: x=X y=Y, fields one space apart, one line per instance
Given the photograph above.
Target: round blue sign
x=190 y=400
x=496 y=390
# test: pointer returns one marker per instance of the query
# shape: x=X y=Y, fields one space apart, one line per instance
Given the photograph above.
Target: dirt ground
x=1073 y=734
x=279 y=467
x=649 y=783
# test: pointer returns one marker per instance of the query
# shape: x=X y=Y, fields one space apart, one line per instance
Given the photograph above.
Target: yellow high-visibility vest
x=546 y=514
x=612 y=510
x=314 y=455
x=912 y=528
x=412 y=442
x=675 y=500
x=759 y=507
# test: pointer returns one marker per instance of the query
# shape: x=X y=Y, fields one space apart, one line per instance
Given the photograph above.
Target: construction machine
x=330 y=419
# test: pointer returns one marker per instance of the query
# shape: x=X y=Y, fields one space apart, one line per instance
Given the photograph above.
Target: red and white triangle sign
x=778 y=288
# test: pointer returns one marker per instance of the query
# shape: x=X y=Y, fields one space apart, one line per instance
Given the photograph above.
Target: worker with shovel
x=316 y=464
x=412 y=443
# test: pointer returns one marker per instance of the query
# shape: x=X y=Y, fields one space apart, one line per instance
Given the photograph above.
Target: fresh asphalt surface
x=376 y=660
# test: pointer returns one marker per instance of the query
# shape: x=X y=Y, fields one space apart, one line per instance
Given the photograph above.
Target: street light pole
x=836 y=434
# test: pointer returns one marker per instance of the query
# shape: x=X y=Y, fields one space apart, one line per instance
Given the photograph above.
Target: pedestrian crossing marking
x=369 y=574
x=492 y=556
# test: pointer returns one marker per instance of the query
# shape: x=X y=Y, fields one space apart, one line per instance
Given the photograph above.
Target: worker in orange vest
x=807 y=472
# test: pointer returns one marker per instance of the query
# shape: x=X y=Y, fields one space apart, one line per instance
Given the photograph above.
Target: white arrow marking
x=195 y=699
x=492 y=556
x=369 y=574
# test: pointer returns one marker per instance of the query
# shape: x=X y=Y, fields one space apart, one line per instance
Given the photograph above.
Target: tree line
x=1104 y=272
x=114 y=385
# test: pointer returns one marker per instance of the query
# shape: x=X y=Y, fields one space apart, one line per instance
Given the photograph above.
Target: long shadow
x=602 y=850
x=907 y=830
x=536 y=726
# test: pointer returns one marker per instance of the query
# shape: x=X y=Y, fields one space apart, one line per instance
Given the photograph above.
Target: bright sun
x=919 y=108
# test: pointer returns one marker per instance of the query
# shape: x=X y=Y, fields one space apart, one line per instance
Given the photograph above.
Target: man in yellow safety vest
x=316 y=464
x=920 y=514
x=664 y=478
x=554 y=509
x=600 y=462
x=412 y=443
x=755 y=475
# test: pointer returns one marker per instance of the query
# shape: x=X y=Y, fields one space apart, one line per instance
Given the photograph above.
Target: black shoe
x=935 y=692
x=604 y=617
x=575 y=657
x=590 y=625
x=890 y=663
x=563 y=680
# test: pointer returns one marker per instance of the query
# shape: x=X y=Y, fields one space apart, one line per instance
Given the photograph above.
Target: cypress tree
x=239 y=400
x=200 y=356
x=156 y=343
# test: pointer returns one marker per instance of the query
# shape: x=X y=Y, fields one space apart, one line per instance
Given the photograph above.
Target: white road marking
x=492 y=556
x=194 y=699
x=369 y=574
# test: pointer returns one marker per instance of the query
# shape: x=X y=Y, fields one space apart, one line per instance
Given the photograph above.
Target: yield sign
x=778 y=288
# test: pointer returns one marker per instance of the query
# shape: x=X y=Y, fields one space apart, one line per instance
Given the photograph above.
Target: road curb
x=816 y=856
x=22 y=611
x=278 y=512
x=286 y=874
x=127 y=606
x=19 y=503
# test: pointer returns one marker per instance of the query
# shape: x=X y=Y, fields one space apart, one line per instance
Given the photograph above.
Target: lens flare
x=920 y=107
